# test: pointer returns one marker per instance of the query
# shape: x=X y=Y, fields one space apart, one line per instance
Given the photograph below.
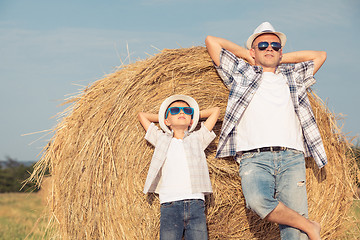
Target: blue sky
x=49 y=49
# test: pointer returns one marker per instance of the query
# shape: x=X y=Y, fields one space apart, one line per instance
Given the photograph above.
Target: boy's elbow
x=140 y=115
x=217 y=111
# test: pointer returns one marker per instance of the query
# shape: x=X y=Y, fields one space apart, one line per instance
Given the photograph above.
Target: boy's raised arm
x=318 y=57
x=147 y=118
x=212 y=115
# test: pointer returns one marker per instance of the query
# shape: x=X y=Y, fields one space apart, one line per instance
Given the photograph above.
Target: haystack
x=98 y=158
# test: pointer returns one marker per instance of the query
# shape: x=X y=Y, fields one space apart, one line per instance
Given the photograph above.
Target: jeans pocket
x=167 y=204
x=242 y=158
x=199 y=202
x=248 y=155
x=294 y=153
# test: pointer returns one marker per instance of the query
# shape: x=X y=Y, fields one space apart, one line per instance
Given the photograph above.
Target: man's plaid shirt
x=243 y=80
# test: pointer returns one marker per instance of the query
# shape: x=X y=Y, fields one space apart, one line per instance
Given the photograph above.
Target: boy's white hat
x=167 y=102
x=265 y=27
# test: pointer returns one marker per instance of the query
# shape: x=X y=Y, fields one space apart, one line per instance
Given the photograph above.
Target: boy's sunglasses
x=263 y=45
x=176 y=110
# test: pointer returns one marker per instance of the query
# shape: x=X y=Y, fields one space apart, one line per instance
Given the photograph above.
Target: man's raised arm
x=215 y=44
x=318 y=57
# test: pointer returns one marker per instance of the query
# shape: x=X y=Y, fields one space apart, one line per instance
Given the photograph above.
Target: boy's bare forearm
x=147 y=118
x=212 y=115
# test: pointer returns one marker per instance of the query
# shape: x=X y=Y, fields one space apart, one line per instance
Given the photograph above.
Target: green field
x=21 y=216
x=357 y=208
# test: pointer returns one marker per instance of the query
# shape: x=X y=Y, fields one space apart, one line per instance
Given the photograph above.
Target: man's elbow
x=323 y=56
x=319 y=60
x=208 y=40
x=214 y=48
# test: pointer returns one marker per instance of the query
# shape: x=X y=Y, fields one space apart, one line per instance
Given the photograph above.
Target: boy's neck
x=179 y=134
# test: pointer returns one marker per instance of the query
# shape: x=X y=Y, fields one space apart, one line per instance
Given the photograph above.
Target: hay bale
x=98 y=158
x=45 y=190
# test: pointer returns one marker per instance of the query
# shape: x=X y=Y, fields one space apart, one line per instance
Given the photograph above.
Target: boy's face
x=180 y=120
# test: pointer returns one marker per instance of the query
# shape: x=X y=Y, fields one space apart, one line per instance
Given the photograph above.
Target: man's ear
x=252 y=52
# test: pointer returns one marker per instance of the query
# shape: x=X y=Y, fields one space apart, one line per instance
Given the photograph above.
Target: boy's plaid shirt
x=243 y=80
x=195 y=144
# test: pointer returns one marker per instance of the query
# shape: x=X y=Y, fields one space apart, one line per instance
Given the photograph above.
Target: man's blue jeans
x=268 y=178
x=186 y=217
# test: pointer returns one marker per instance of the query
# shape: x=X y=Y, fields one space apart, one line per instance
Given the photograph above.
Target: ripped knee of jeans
x=301 y=184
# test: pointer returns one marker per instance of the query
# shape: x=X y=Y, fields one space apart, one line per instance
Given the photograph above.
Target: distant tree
x=13 y=175
x=11 y=162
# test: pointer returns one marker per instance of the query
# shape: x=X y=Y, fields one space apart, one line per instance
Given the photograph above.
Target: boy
x=178 y=169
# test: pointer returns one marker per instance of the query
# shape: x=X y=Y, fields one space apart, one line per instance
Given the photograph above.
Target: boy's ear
x=167 y=123
x=191 y=122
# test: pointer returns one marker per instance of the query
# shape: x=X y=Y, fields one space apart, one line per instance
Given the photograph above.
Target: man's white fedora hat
x=167 y=102
x=263 y=28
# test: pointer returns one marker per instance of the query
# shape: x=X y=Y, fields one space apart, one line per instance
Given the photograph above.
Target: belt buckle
x=277 y=149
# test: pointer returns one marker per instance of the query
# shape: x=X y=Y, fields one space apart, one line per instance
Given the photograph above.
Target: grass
x=356 y=209
x=20 y=216
x=352 y=233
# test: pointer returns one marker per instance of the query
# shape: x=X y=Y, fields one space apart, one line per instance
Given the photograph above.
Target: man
x=269 y=126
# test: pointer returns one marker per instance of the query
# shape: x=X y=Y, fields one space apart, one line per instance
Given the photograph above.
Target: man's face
x=269 y=59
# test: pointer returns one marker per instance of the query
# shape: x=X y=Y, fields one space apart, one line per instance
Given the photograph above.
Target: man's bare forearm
x=318 y=57
x=215 y=44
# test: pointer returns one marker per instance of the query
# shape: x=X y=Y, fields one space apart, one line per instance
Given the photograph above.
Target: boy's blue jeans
x=268 y=178
x=186 y=217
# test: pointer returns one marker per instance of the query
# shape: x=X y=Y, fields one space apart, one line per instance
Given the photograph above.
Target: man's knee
x=262 y=205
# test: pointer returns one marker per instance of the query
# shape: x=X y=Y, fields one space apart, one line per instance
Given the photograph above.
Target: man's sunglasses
x=264 y=45
x=176 y=110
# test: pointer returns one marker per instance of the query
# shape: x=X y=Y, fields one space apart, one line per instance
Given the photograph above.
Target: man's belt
x=267 y=149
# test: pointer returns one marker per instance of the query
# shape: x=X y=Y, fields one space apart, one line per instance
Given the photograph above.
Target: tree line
x=12 y=176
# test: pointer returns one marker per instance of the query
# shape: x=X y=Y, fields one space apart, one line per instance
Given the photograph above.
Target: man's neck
x=269 y=69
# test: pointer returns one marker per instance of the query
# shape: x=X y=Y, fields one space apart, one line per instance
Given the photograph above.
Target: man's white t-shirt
x=270 y=118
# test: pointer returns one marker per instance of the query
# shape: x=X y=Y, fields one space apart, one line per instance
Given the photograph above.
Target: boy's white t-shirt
x=175 y=182
x=270 y=118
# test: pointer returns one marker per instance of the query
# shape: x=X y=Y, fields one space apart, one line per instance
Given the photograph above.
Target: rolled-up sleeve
x=306 y=70
x=206 y=136
x=152 y=134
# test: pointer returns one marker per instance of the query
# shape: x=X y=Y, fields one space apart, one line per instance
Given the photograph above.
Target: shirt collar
x=187 y=133
x=259 y=69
